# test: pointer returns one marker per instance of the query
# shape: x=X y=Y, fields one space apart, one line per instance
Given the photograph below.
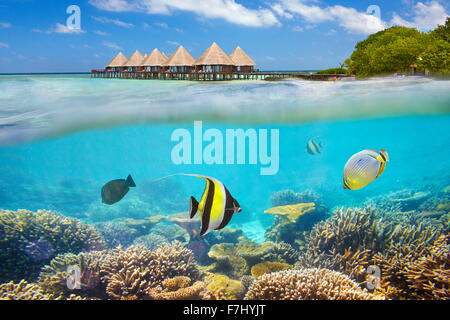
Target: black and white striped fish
x=313 y=148
x=216 y=206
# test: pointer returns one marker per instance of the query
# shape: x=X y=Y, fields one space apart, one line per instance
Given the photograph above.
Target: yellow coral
x=267 y=267
x=294 y=211
x=223 y=288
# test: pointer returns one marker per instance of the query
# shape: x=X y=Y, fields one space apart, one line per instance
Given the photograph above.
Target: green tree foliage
x=436 y=57
x=333 y=71
x=442 y=32
x=398 y=48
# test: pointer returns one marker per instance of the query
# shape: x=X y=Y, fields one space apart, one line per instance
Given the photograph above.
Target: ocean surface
x=63 y=136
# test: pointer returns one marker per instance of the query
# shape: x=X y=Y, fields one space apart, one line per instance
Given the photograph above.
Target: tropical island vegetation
x=400 y=50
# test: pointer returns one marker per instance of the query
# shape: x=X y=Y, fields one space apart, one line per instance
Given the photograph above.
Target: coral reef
x=22 y=291
x=236 y=260
x=31 y=239
x=143 y=226
x=116 y=233
x=306 y=284
x=171 y=232
x=27 y=291
x=131 y=273
x=355 y=238
x=69 y=273
x=150 y=241
x=429 y=276
x=291 y=227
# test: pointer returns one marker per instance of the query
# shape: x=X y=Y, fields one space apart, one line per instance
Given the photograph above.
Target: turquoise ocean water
x=63 y=136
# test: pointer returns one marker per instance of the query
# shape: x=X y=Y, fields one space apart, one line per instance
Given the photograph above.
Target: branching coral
x=22 y=291
x=306 y=284
x=69 y=273
x=133 y=272
x=353 y=239
x=429 y=276
x=27 y=291
x=31 y=239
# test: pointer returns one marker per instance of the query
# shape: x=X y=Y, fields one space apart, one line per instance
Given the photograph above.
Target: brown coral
x=134 y=271
x=27 y=291
x=306 y=284
x=177 y=289
x=429 y=276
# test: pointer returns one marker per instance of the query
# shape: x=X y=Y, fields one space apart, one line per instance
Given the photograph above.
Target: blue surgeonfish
x=313 y=148
x=115 y=190
x=216 y=206
x=363 y=168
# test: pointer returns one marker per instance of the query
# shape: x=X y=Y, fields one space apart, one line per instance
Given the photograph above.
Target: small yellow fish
x=363 y=168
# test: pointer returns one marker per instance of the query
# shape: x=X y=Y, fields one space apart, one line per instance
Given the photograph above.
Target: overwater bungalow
x=134 y=63
x=214 y=59
x=116 y=64
x=180 y=61
x=155 y=61
x=242 y=62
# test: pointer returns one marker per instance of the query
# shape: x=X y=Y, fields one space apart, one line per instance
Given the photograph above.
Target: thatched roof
x=118 y=61
x=181 y=57
x=240 y=58
x=135 y=60
x=156 y=58
x=165 y=55
x=213 y=56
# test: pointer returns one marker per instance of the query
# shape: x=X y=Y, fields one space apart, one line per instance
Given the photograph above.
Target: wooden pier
x=215 y=76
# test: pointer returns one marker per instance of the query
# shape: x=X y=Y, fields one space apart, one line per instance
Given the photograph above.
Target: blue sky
x=278 y=34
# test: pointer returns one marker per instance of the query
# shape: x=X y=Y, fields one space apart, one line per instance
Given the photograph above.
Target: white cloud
x=60 y=28
x=174 y=43
x=114 y=21
x=112 y=45
x=4 y=45
x=102 y=33
x=228 y=10
x=162 y=25
x=349 y=18
x=5 y=25
x=425 y=16
x=355 y=21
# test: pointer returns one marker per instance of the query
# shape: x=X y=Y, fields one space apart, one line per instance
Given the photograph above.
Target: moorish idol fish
x=115 y=190
x=216 y=206
x=363 y=168
x=313 y=148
